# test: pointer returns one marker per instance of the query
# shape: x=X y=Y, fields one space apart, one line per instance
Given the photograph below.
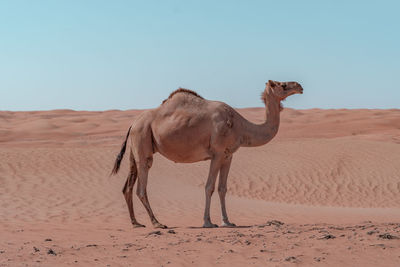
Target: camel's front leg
x=223 y=177
x=210 y=186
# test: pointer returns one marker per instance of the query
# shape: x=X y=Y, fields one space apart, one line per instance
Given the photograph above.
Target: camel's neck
x=260 y=134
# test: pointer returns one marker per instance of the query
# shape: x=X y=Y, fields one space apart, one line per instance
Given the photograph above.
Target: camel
x=187 y=128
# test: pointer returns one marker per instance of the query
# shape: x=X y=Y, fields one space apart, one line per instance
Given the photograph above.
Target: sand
x=325 y=191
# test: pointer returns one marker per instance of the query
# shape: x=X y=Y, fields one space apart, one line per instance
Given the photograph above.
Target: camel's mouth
x=295 y=91
x=298 y=90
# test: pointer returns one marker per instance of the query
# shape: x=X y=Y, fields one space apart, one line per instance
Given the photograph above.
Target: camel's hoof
x=159 y=225
x=228 y=224
x=210 y=225
x=137 y=225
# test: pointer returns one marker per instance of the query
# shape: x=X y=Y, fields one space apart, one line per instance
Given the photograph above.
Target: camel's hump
x=183 y=90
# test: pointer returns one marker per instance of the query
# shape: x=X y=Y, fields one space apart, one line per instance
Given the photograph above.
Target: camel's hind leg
x=143 y=170
x=142 y=148
x=128 y=188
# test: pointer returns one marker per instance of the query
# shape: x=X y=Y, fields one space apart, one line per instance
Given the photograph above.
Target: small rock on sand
x=274 y=222
x=154 y=233
x=372 y=232
x=328 y=236
x=51 y=252
x=291 y=259
x=387 y=236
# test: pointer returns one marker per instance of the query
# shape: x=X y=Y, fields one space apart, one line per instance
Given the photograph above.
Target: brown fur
x=264 y=99
x=182 y=90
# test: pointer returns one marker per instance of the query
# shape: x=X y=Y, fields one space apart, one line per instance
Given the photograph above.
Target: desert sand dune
x=332 y=177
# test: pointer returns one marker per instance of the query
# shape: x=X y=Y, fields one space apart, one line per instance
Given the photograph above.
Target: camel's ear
x=271 y=83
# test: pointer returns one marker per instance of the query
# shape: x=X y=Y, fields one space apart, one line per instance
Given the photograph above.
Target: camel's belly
x=183 y=152
x=185 y=157
x=183 y=145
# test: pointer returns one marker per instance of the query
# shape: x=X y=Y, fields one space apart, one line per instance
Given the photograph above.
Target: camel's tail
x=120 y=155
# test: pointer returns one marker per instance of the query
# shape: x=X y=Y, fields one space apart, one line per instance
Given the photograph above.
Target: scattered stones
x=128 y=245
x=372 y=232
x=51 y=252
x=387 y=236
x=327 y=236
x=154 y=233
x=318 y=259
x=248 y=242
x=291 y=259
x=275 y=223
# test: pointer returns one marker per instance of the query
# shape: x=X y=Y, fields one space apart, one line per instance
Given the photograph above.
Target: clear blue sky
x=97 y=55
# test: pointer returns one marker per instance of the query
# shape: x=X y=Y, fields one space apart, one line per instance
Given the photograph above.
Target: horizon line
x=144 y=109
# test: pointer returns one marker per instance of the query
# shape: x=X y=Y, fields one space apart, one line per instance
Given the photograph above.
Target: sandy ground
x=325 y=192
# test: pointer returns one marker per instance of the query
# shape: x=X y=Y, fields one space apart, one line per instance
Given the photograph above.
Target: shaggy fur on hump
x=182 y=90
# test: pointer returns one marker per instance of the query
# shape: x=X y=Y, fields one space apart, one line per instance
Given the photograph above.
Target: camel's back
x=182 y=99
x=182 y=127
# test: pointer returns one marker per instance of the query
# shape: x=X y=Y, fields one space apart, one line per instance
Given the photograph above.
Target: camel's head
x=283 y=89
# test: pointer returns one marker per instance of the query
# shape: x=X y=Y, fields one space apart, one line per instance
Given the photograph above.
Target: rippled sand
x=331 y=176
